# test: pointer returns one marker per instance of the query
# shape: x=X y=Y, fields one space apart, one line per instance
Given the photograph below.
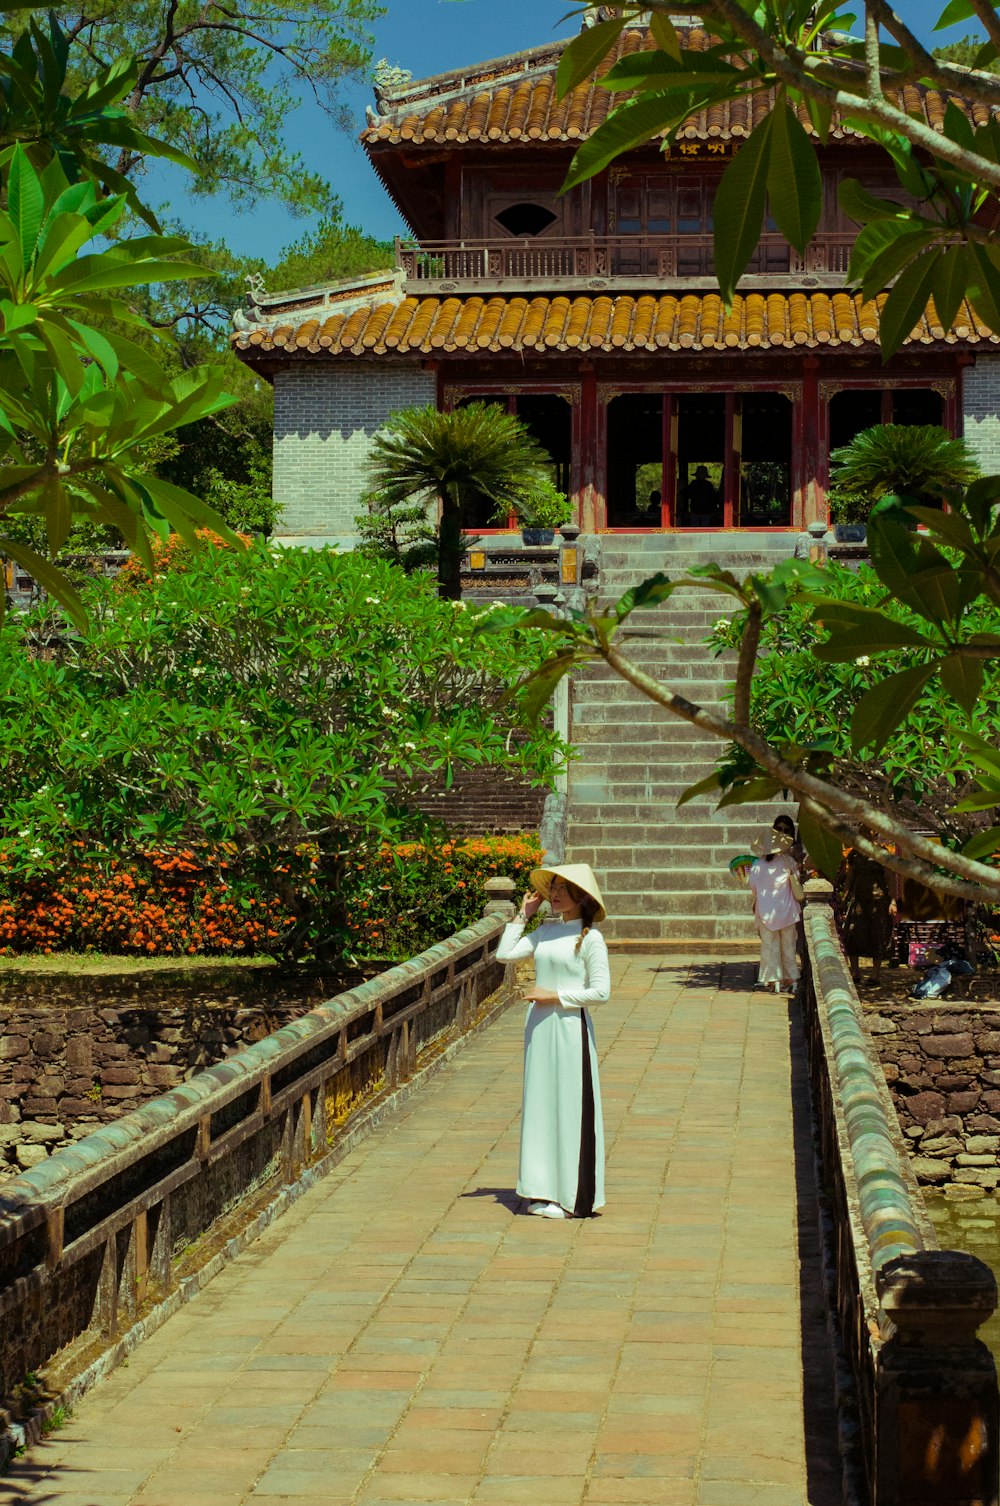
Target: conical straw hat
x=580 y=875
x=772 y=841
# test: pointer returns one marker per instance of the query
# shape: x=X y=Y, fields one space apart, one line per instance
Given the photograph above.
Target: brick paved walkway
x=403 y=1335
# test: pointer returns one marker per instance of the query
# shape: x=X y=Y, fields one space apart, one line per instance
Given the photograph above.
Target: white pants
x=778 y=962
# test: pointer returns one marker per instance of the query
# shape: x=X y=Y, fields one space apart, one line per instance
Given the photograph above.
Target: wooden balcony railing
x=548 y=262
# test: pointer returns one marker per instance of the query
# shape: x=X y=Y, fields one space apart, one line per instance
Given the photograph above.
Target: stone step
x=710 y=878
x=643 y=812
x=607 y=745
x=677 y=763
x=625 y=926
x=711 y=843
x=646 y=898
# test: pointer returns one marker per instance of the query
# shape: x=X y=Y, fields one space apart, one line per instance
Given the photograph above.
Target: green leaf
x=58 y=515
x=881 y=709
x=739 y=207
x=26 y=204
x=893 y=549
x=49 y=578
x=984 y=286
x=962 y=678
x=881 y=251
x=958 y=127
x=954 y=11
x=984 y=755
x=763 y=789
x=794 y=180
x=820 y=118
x=907 y=302
x=665 y=34
x=540 y=688
x=859 y=205
x=585 y=53
x=706 y=786
x=647 y=593
x=629 y=125
x=951 y=277
x=983 y=844
x=822 y=846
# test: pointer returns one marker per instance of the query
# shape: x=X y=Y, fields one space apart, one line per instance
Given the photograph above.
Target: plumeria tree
x=81 y=399
x=938 y=624
x=948 y=637
x=937 y=240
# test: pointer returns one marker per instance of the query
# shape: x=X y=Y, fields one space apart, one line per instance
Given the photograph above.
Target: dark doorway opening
x=766 y=461
x=549 y=419
x=479 y=511
x=850 y=412
x=701 y=451
x=635 y=460
x=917 y=405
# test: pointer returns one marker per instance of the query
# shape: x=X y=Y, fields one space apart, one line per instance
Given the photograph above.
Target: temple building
x=594 y=315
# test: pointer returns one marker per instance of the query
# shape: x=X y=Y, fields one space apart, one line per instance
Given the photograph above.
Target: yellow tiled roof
x=693 y=321
x=499 y=104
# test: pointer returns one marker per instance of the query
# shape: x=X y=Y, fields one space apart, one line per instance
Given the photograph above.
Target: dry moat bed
x=82 y=1044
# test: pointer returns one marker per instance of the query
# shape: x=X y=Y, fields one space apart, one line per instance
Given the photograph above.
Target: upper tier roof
x=513 y=99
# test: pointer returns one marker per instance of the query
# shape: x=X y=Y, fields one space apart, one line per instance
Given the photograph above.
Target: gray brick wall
x=324 y=421
x=981 y=403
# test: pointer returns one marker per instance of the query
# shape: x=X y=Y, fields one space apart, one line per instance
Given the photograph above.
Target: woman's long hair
x=588 y=909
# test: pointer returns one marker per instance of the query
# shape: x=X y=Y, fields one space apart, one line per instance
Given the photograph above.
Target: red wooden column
x=591 y=498
x=731 y=464
x=809 y=502
x=668 y=511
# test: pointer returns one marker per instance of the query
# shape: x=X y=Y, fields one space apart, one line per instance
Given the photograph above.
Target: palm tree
x=903 y=460
x=479 y=449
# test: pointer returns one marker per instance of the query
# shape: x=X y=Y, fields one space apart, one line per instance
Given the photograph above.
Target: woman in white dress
x=561 y=1172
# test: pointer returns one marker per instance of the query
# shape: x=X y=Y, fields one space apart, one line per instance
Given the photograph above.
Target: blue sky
x=425 y=36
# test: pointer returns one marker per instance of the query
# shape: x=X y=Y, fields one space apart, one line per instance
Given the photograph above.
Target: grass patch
x=96 y=963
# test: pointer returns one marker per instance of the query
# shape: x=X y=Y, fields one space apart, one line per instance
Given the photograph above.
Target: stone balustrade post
x=819 y=890
x=500 y=898
x=937 y=1413
x=570 y=559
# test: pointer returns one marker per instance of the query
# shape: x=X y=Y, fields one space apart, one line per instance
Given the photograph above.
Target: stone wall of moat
x=70 y=1065
x=942 y=1063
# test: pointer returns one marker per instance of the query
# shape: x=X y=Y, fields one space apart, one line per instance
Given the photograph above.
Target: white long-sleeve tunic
x=562 y=1130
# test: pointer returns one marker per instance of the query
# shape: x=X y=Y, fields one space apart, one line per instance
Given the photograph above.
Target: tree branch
x=802 y=76
x=856 y=811
x=907 y=867
x=749 y=646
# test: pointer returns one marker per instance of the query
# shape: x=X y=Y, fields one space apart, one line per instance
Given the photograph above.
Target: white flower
x=863 y=661
x=374 y=601
x=85 y=735
x=723 y=622
x=25 y=832
x=36 y=852
x=410 y=747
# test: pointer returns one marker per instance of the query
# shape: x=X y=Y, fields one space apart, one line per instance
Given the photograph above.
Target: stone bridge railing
x=103 y=1241
x=920 y=1419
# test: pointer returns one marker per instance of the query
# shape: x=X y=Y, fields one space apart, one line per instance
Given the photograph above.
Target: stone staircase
x=664 y=872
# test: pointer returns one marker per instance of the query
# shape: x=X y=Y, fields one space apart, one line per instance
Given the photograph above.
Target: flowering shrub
x=414 y=895
x=158 y=904
x=186 y=902
x=290 y=708
x=170 y=554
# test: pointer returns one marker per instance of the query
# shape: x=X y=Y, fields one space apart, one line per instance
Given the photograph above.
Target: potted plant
x=849 y=512
x=541 y=511
x=892 y=464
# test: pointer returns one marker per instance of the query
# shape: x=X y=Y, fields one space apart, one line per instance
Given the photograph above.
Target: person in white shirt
x=773 y=878
x=561 y=1168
